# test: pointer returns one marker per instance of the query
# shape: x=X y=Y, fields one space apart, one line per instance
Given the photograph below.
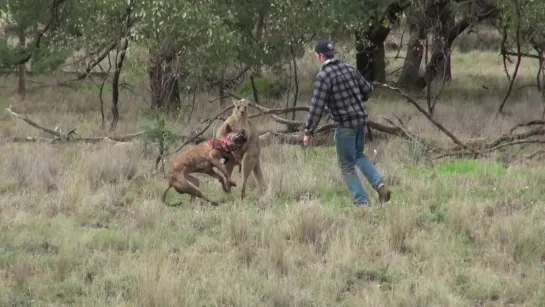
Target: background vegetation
x=114 y=87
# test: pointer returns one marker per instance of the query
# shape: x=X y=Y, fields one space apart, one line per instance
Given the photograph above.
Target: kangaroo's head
x=240 y=110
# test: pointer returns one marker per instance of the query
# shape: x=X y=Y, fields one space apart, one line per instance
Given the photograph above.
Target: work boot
x=384 y=194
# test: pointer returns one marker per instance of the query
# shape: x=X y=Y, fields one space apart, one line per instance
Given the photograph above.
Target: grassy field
x=83 y=225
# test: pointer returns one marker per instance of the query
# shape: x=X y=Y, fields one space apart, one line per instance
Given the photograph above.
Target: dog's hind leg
x=164 y=197
x=195 y=182
x=225 y=184
x=215 y=158
x=183 y=185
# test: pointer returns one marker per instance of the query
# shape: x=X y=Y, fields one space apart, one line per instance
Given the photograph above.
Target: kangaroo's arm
x=224 y=129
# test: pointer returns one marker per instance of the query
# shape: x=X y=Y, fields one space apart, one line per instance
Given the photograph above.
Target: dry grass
x=82 y=225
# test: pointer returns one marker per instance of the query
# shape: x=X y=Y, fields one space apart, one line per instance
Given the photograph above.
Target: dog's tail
x=164 y=197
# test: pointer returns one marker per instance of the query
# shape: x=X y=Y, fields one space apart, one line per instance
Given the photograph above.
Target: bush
x=45 y=60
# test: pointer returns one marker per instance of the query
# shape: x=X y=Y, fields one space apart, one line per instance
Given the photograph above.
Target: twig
x=218 y=98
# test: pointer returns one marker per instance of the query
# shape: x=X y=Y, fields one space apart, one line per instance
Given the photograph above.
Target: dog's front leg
x=225 y=172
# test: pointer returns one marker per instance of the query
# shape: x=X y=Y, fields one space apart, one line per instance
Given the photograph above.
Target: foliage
x=268 y=88
x=9 y=54
x=47 y=60
x=527 y=17
x=157 y=133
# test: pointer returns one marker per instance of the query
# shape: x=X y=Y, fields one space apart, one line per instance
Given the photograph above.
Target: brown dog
x=203 y=158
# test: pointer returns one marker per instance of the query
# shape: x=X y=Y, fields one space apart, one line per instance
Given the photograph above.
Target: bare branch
x=68 y=137
x=519 y=57
x=428 y=115
x=527 y=124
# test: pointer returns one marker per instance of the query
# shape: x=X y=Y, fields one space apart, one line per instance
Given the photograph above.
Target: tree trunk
x=370 y=58
x=364 y=58
x=165 y=95
x=410 y=77
x=379 y=63
x=115 y=83
x=486 y=12
x=21 y=87
x=441 y=46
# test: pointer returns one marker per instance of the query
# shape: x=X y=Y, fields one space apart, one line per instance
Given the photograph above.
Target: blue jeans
x=349 y=143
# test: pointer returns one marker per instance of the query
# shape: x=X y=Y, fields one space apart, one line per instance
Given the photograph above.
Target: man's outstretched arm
x=318 y=103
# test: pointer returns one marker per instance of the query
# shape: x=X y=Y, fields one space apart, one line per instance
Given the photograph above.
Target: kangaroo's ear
x=235 y=102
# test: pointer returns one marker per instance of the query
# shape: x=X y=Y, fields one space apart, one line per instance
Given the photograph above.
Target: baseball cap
x=325 y=47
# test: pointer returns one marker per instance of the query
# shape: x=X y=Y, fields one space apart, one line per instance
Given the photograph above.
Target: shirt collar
x=327 y=62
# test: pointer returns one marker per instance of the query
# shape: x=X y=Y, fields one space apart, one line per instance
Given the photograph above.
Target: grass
x=82 y=224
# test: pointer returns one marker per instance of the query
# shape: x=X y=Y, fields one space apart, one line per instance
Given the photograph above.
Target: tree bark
x=485 y=12
x=115 y=83
x=21 y=69
x=440 y=46
x=410 y=78
x=165 y=95
x=364 y=58
x=370 y=56
x=379 y=62
x=410 y=73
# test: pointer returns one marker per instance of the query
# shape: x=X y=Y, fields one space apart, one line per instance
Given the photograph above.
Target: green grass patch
x=471 y=168
x=88 y=87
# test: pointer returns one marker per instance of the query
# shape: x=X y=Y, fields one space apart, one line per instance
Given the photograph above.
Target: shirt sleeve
x=318 y=103
x=366 y=88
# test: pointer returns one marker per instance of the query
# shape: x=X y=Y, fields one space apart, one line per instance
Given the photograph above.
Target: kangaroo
x=249 y=154
x=203 y=158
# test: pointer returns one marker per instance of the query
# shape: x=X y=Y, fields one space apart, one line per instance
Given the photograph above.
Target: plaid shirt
x=341 y=88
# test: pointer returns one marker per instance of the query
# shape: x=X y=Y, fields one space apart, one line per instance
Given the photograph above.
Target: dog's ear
x=228 y=129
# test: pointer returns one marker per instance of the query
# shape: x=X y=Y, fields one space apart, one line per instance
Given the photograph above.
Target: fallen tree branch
x=428 y=115
x=470 y=148
x=527 y=124
x=395 y=131
x=68 y=137
x=505 y=140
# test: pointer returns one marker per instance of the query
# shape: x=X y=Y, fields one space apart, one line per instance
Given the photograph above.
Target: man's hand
x=306 y=140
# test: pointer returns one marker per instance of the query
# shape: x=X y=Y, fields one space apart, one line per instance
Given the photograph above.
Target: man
x=344 y=90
